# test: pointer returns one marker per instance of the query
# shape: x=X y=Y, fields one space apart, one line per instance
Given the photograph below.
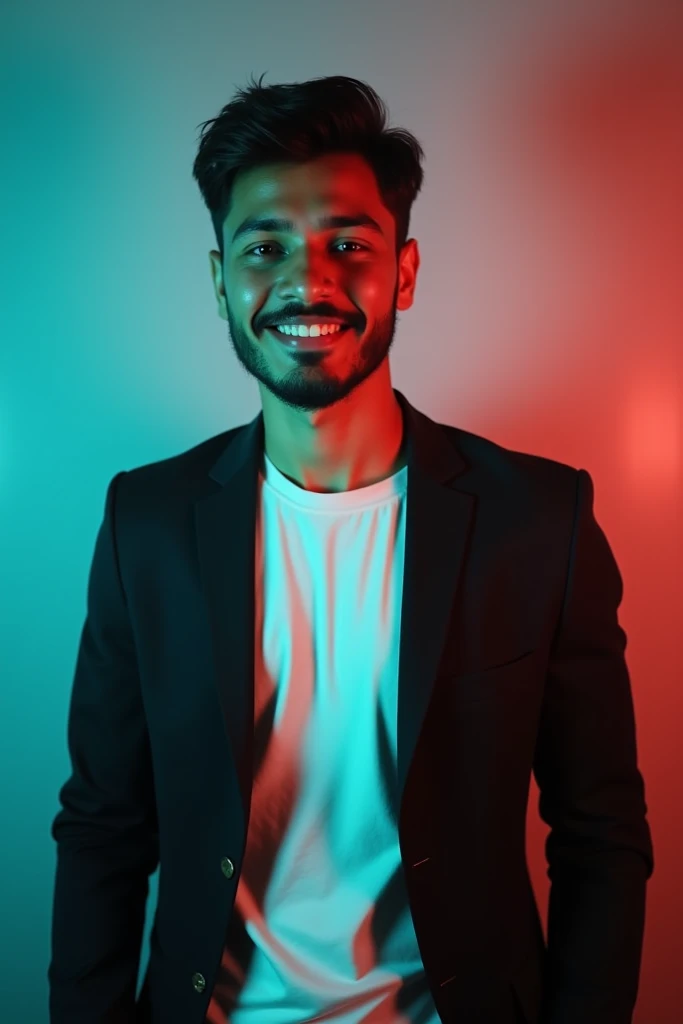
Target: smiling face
x=312 y=265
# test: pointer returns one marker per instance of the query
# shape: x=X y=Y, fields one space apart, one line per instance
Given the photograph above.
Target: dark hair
x=300 y=122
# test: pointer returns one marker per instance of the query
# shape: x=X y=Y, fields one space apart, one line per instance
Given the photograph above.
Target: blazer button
x=227 y=867
x=198 y=982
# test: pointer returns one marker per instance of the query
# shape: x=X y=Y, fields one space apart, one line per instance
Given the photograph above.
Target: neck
x=340 y=453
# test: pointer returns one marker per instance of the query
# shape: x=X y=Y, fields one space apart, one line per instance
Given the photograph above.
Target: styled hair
x=299 y=122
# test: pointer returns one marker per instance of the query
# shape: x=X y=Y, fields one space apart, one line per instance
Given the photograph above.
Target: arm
x=599 y=849
x=106 y=832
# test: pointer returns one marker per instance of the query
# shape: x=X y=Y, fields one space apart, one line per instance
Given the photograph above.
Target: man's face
x=348 y=272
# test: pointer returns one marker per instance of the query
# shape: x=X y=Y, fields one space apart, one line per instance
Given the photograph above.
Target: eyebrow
x=353 y=220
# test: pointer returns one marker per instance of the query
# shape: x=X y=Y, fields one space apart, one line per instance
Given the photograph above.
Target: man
x=324 y=653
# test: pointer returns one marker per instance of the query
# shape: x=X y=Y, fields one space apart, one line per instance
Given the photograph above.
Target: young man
x=324 y=653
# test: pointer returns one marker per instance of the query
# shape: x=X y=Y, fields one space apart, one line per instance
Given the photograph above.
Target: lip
x=321 y=343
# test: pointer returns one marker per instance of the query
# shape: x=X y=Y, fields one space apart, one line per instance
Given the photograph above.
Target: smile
x=306 y=331
x=299 y=343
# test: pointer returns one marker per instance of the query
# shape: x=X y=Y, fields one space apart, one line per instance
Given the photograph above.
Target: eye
x=263 y=245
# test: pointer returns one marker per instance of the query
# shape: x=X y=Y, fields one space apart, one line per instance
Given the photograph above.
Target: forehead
x=334 y=182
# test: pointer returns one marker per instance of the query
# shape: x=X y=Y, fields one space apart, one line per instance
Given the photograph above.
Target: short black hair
x=299 y=122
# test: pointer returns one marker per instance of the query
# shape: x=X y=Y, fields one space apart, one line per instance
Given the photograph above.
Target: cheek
x=371 y=295
x=247 y=296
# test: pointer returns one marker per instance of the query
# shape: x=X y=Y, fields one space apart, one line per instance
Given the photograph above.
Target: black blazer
x=511 y=661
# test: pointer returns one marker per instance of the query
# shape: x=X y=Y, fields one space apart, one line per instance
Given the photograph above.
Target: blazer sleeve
x=106 y=831
x=592 y=795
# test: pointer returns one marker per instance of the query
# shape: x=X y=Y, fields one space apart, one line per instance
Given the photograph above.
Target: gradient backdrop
x=548 y=317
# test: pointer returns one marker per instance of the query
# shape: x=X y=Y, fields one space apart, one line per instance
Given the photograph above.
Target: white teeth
x=302 y=331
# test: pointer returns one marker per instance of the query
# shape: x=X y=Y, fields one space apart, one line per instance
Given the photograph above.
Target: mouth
x=298 y=344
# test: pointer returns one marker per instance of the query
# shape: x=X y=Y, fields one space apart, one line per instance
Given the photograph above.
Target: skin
x=331 y=419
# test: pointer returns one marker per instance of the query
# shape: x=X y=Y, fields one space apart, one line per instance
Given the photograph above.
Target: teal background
x=546 y=318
